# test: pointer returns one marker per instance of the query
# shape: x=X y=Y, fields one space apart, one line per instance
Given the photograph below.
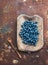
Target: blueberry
x=29 y=33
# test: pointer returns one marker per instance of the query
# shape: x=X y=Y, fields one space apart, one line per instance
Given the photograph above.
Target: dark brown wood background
x=9 y=10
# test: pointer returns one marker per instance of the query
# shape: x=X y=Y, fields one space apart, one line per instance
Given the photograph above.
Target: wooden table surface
x=9 y=11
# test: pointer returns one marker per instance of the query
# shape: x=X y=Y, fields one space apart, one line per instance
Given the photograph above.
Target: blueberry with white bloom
x=29 y=33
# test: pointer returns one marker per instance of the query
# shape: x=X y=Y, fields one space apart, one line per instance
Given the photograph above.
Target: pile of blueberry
x=29 y=33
